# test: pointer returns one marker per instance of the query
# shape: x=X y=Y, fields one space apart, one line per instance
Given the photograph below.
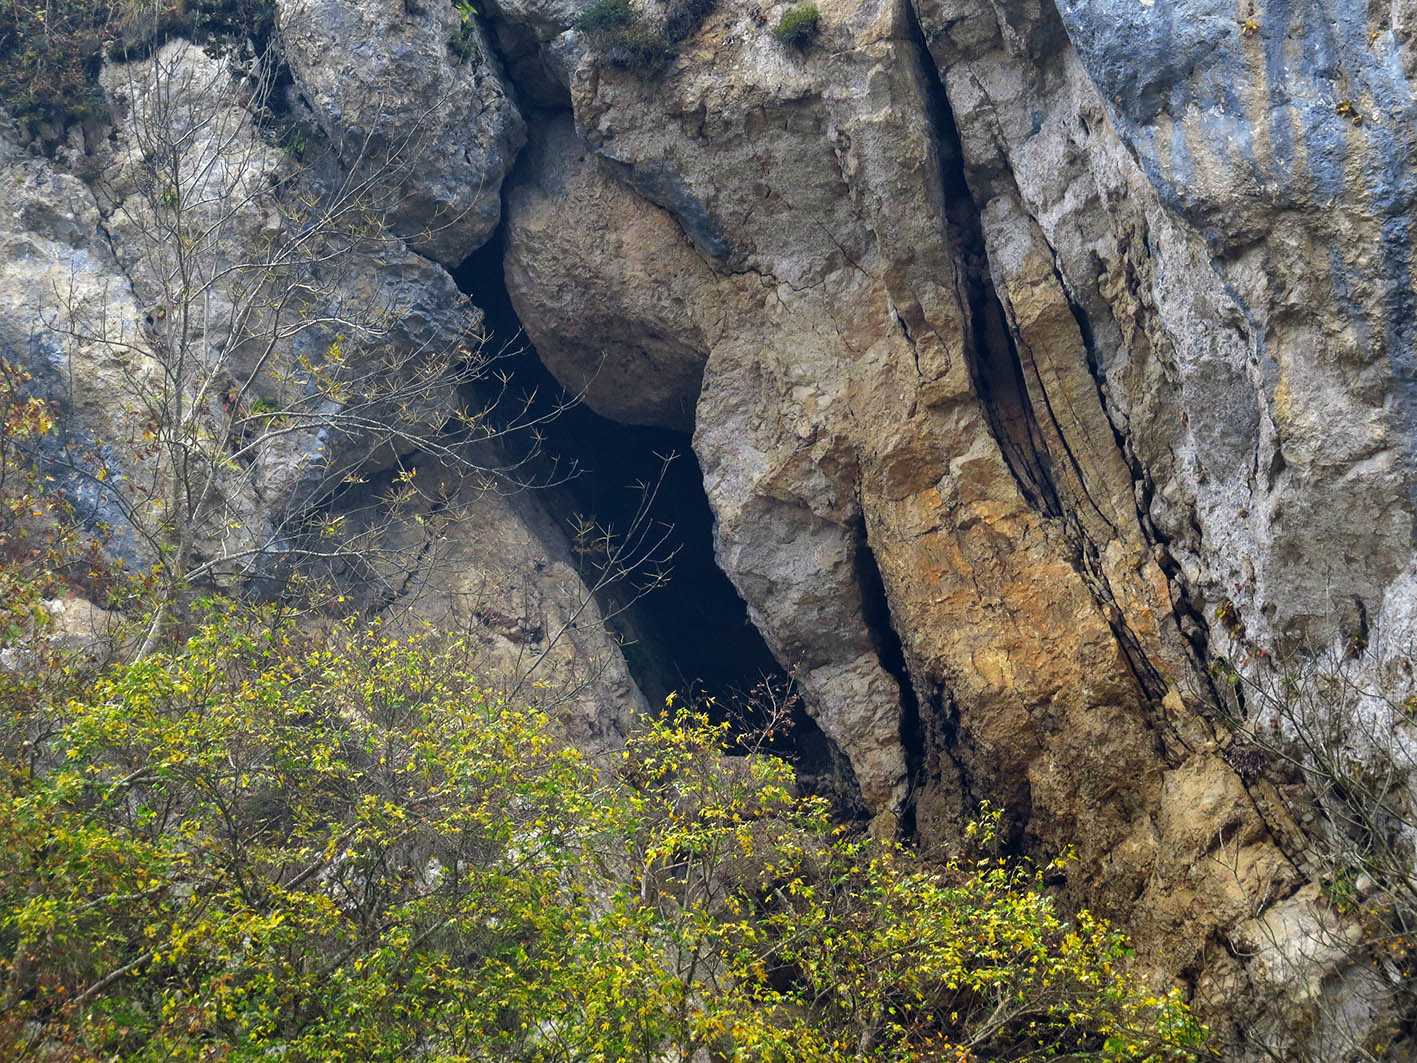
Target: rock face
x=52 y=242
x=496 y=568
x=91 y=302
x=1249 y=300
x=1051 y=351
x=413 y=98
x=215 y=281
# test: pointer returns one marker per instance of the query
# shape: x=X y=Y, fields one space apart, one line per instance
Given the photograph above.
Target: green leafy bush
x=639 y=50
x=269 y=845
x=464 y=40
x=798 y=26
x=606 y=15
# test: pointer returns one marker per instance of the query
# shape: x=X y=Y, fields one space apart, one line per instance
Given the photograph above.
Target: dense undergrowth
x=313 y=841
x=267 y=844
x=309 y=840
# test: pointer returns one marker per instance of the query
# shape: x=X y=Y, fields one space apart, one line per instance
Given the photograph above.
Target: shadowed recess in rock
x=876 y=611
x=692 y=634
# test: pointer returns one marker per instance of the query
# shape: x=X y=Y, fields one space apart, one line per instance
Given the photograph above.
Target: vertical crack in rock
x=1195 y=632
x=522 y=54
x=890 y=652
x=994 y=362
x=1011 y=386
x=1149 y=678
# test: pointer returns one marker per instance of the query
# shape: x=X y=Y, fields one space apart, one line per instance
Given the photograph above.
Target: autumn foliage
x=267 y=844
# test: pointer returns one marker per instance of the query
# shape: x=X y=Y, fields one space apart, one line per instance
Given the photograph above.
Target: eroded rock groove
x=994 y=359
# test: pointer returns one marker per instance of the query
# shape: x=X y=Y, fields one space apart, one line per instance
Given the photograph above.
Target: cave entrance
x=692 y=633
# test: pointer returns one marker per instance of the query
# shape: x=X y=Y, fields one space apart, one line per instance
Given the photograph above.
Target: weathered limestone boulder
x=254 y=203
x=74 y=629
x=495 y=567
x=1325 y=1003
x=412 y=96
x=611 y=308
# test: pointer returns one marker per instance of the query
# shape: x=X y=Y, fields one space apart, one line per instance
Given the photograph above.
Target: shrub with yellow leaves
x=346 y=849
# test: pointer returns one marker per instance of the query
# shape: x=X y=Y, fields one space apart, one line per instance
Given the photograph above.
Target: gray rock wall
x=1037 y=353
x=273 y=265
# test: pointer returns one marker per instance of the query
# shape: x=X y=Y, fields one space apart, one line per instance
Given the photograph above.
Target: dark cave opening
x=692 y=634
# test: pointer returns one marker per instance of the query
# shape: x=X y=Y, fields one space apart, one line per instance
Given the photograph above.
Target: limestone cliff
x=1066 y=327
x=1036 y=353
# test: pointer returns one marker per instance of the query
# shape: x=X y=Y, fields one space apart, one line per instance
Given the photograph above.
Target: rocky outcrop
x=1037 y=353
x=149 y=283
x=1229 y=217
x=229 y=276
x=59 y=278
x=1226 y=218
x=496 y=568
x=414 y=100
x=1085 y=328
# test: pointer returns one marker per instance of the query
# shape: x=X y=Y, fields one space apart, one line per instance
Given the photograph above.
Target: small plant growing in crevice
x=606 y=15
x=682 y=18
x=1229 y=618
x=296 y=137
x=464 y=40
x=640 y=51
x=1345 y=109
x=618 y=32
x=799 y=26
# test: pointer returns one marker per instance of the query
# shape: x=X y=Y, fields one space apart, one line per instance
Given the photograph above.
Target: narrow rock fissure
x=692 y=634
x=1002 y=376
x=1003 y=380
x=1152 y=683
x=940 y=795
x=519 y=55
x=890 y=652
x=994 y=362
x=1147 y=675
